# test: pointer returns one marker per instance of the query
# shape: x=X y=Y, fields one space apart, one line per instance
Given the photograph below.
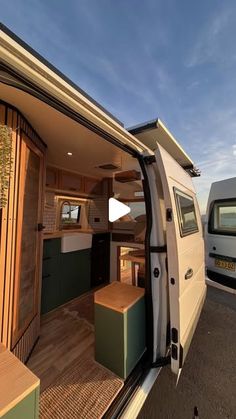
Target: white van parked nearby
x=220 y=232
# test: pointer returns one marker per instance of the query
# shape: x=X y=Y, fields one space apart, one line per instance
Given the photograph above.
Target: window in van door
x=223 y=217
x=186 y=213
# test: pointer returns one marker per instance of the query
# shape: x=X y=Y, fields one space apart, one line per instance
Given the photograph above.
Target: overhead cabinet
x=66 y=181
x=92 y=186
x=52 y=178
x=71 y=182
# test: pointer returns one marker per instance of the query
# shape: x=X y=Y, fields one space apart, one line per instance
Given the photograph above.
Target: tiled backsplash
x=50 y=210
x=97 y=214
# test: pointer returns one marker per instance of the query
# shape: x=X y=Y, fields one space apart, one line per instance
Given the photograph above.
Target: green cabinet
x=75 y=273
x=51 y=296
x=64 y=275
x=120 y=338
x=28 y=408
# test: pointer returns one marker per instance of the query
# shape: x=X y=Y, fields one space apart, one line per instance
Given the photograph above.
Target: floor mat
x=86 y=390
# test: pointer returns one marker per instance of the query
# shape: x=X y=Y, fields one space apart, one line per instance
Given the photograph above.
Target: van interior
x=66 y=175
x=91 y=306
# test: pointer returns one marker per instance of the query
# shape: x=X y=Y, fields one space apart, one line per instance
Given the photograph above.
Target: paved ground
x=208 y=379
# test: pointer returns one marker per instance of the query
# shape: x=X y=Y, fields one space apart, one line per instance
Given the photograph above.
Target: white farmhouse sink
x=73 y=242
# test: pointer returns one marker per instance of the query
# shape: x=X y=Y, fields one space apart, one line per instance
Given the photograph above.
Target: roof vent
x=109 y=166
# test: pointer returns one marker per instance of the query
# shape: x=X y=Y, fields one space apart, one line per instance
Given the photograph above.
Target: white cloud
x=208 y=47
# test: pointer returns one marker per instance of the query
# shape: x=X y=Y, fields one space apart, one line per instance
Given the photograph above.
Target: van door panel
x=185 y=252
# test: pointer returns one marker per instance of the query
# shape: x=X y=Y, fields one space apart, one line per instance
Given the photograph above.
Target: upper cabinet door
x=52 y=175
x=185 y=252
x=71 y=182
x=92 y=186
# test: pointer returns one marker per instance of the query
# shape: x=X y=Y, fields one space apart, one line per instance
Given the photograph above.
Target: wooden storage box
x=120 y=338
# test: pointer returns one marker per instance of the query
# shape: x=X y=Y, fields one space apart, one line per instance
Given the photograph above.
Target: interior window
x=223 y=217
x=186 y=213
x=70 y=214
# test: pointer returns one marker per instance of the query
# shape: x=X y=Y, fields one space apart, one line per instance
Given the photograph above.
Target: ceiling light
x=69 y=153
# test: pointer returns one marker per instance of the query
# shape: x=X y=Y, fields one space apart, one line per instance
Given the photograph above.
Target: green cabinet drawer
x=64 y=275
x=120 y=338
x=51 y=247
x=51 y=296
x=51 y=264
x=28 y=408
x=75 y=273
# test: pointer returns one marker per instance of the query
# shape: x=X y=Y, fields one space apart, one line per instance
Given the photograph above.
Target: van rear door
x=185 y=254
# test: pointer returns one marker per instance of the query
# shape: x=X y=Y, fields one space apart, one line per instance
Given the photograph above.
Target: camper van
x=220 y=233
x=91 y=307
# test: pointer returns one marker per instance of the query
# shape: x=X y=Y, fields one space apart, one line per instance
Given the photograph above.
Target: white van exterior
x=220 y=232
x=175 y=287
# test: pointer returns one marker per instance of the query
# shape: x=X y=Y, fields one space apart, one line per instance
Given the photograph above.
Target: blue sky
x=143 y=59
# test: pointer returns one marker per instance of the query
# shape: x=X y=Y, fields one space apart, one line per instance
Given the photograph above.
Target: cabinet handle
x=41 y=227
x=46 y=276
x=47 y=258
x=189 y=273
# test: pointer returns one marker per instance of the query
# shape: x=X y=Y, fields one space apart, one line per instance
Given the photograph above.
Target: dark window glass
x=186 y=213
x=223 y=217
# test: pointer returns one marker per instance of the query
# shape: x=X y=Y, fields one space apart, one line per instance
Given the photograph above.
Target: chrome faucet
x=69 y=212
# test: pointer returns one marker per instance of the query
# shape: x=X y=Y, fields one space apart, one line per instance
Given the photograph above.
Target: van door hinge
x=149 y=159
x=161 y=362
x=168 y=214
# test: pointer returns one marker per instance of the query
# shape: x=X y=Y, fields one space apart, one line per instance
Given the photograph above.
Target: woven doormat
x=85 y=391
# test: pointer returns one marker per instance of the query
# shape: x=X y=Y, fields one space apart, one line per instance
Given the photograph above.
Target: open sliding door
x=28 y=242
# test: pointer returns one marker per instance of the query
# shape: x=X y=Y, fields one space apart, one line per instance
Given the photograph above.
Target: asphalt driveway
x=208 y=379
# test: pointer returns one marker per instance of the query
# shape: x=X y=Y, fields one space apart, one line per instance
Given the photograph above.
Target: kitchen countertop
x=137 y=256
x=61 y=233
x=16 y=380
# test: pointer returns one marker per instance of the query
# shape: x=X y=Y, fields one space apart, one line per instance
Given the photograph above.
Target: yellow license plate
x=224 y=264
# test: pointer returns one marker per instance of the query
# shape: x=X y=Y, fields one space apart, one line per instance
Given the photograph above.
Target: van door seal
x=161 y=362
x=158 y=249
x=149 y=159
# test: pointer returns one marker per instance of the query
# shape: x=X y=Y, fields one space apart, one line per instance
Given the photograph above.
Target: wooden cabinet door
x=71 y=182
x=29 y=239
x=92 y=186
x=52 y=177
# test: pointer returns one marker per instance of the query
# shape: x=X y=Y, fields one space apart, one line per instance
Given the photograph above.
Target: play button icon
x=117 y=209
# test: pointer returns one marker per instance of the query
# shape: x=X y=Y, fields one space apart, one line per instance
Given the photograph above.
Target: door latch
x=40 y=227
x=156 y=272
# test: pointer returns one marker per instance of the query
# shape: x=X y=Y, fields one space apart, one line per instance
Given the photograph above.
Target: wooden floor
x=67 y=334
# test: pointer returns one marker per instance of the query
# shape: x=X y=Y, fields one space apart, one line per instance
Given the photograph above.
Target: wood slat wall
x=8 y=235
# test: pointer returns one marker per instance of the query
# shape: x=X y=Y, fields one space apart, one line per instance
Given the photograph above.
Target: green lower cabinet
x=120 y=338
x=64 y=275
x=28 y=408
x=51 y=293
x=75 y=273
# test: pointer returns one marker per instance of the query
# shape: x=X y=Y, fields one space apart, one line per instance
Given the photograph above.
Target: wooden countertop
x=61 y=233
x=16 y=380
x=137 y=256
x=118 y=296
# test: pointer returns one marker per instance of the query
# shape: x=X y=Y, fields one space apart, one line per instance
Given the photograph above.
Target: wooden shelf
x=16 y=381
x=71 y=193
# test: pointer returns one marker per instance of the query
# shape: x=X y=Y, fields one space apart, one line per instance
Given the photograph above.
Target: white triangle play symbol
x=117 y=209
